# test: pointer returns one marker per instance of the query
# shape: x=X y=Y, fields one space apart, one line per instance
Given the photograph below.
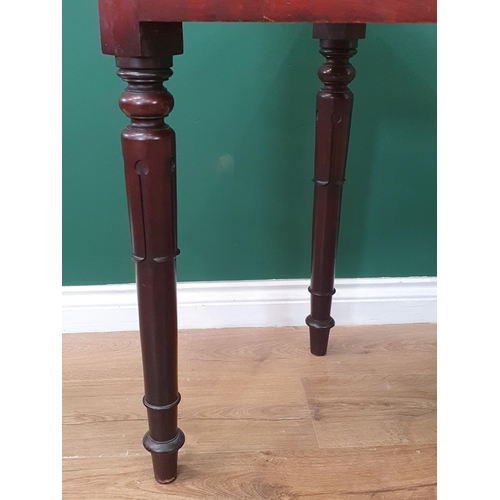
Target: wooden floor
x=263 y=418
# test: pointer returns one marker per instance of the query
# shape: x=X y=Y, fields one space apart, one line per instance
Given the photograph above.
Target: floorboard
x=263 y=418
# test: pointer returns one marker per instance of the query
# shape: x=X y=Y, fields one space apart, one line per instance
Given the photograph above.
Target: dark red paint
x=121 y=33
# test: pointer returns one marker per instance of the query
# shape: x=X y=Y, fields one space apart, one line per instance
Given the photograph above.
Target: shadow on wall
x=265 y=203
x=390 y=190
x=255 y=198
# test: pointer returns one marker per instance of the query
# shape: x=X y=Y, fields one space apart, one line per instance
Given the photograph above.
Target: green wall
x=244 y=117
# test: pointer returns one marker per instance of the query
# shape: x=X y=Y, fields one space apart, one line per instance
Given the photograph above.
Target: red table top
x=119 y=18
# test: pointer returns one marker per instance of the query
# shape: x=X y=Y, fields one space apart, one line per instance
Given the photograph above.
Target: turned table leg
x=149 y=156
x=338 y=43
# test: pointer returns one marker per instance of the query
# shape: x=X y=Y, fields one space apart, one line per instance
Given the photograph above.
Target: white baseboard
x=225 y=304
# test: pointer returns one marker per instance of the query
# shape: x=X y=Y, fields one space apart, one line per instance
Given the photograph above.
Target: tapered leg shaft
x=338 y=43
x=149 y=156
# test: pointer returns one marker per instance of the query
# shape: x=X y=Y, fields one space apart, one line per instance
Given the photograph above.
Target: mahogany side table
x=144 y=35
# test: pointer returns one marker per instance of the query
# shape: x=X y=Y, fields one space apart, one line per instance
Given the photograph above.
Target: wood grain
x=383 y=473
x=110 y=355
x=229 y=354
x=91 y=401
x=123 y=438
x=372 y=410
x=263 y=417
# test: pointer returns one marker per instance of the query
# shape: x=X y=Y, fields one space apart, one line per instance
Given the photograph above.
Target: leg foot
x=165 y=467
x=164 y=455
x=319 y=332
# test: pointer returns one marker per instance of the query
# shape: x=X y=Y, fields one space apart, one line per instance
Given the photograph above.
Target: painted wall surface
x=244 y=117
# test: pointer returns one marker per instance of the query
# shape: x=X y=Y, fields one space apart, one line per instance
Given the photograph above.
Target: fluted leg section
x=149 y=155
x=338 y=43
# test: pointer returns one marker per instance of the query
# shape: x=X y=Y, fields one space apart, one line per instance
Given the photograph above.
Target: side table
x=144 y=35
